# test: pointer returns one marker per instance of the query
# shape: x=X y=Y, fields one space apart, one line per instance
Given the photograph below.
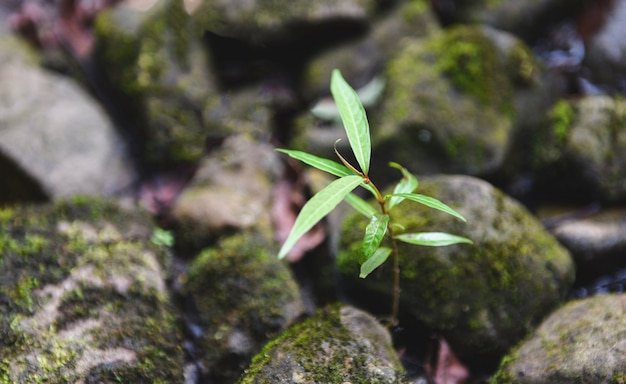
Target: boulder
x=483 y=298
x=582 y=342
x=582 y=151
x=83 y=297
x=242 y=295
x=55 y=140
x=340 y=344
x=458 y=101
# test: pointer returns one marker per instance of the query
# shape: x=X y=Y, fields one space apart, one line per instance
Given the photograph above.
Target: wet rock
x=483 y=298
x=339 y=344
x=242 y=296
x=55 y=141
x=458 y=101
x=581 y=342
x=262 y=22
x=83 y=297
x=582 y=152
x=231 y=190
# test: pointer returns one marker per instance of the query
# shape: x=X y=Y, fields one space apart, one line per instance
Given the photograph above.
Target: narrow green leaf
x=354 y=119
x=429 y=202
x=360 y=205
x=326 y=165
x=374 y=234
x=378 y=258
x=317 y=207
x=408 y=184
x=432 y=239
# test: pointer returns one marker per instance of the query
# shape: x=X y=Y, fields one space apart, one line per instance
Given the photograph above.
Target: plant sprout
x=373 y=253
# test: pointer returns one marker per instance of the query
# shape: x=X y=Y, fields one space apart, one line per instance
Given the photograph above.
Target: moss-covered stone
x=243 y=296
x=157 y=73
x=455 y=101
x=582 y=342
x=339 y=344
x=83 y=297
x=583 y=147
x=483 y=297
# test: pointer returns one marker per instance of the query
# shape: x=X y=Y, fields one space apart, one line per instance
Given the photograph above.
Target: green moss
x=43 y=249
x=561 y=115
x=470 y=59
x=252 y=294
x=321 y=350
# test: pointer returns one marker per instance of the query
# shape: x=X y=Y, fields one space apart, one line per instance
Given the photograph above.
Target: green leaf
x=326 y=165
x=429 y=202
x=432 y=239
x=332 y=167
x=317 y=207
x=354 y=119
x=374 y=234
x=360 y=205
x=377 y=259
x=408 y=184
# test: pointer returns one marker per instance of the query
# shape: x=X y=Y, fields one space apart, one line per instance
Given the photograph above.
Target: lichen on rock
x=82 y=292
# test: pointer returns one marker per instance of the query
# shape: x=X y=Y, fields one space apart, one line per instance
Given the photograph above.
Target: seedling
x=373 y=253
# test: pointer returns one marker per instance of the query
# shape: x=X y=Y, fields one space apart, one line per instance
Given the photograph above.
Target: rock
x=483 y=298
x=583 y=149
x=456 y=102
x=606 y=49
x=581 y=342
x=83 y=297
x=232 y=189
x=156 y=76
x=55 y=141
x=360 y=60
x=340 y=344
x=265 y=23
x=523 y=18
x=243 y=296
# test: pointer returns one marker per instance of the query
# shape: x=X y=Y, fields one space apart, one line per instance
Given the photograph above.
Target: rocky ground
x=142 y=203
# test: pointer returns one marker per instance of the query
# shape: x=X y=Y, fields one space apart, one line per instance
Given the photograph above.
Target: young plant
x=373 y=254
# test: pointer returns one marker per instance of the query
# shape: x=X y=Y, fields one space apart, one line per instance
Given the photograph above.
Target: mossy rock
x=243 y=296
x=267 y=22
x=361 y=59
x=83 y=297
x=339 y=344
x=157 y=74
x=455 y=101
x=583 y=148
x=582 y=342
x=483 y=298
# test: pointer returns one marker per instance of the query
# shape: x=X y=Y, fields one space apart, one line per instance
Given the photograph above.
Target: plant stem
x=395 y=305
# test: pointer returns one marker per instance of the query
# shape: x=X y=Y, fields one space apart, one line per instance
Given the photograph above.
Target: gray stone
x=263 y=22
x=232 y=189
x=52 y=132
x=582 y=342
